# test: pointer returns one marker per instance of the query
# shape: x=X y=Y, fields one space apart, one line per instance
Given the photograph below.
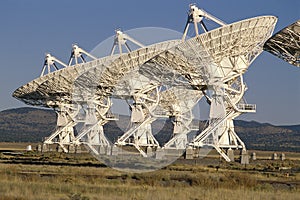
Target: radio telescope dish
x=285 y=44
x=56 y=90
x=164 y=79
x=56 y=86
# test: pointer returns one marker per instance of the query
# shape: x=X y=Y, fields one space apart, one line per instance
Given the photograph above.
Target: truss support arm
x=121 y=39
x=50 y=62
x=77 y=53
x=195 y=16
x=203 y=13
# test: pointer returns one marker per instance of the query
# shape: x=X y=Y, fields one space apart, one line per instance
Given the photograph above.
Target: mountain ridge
x=28 y=124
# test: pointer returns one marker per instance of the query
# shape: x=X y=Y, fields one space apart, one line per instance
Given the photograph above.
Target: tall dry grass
x=64 y=182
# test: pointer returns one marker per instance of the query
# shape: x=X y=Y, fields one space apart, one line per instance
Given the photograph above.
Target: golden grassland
x=80 y=176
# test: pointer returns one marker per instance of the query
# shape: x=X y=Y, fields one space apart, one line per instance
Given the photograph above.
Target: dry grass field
x=31 y=175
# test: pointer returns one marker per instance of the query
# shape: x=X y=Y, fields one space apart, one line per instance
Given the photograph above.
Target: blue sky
x=31 y=28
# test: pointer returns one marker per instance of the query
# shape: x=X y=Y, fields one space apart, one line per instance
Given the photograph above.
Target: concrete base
x=159 y=154
x=149 y=151
x=39 y=148
x=244 y=157
x=78 y=149
x=108 y=151
x=102 y=150
x=71 y=149
x=253 y=156
x=59 y=149
x=274 y=156
x=189 y=153
x=282 y=157
x=114 y=150
x=173 y=152
x=45 y=148
x=230 y=154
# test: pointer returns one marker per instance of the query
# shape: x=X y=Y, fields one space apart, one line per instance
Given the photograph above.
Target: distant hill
x=32 y=125
x=26 y=124
x=269 y=137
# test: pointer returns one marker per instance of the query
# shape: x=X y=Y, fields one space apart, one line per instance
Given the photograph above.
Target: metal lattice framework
x=165 y=79
x=55 y=87
x=55 y=90
x=285 y=44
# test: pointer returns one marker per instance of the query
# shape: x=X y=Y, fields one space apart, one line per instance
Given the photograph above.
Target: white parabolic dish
x=224 y=51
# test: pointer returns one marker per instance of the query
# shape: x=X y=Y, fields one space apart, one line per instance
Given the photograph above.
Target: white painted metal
x=214 y=60
x=178 y=103
x=77 y=53
x=195 y=17
x=96 y=115
x=50 y=63
x=228 y=61
x=121 y=40
x=59 y=87
x=145 y=101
